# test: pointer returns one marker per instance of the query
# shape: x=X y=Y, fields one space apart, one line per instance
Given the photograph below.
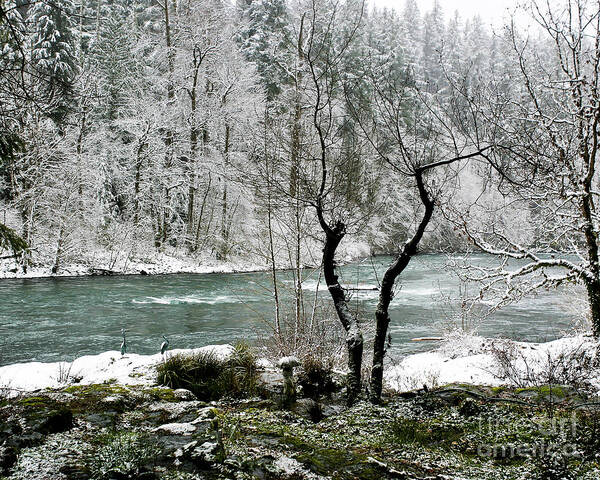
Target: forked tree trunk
x=354 y=338
x=386 y=293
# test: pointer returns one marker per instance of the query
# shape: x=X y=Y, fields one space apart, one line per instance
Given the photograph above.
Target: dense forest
x=135 y=127
x=293 y=133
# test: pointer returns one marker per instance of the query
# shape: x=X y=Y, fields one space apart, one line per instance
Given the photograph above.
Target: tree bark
x=354 y=338
x=386 y=293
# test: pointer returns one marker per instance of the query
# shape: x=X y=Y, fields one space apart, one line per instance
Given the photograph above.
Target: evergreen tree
x=53 y=54
x=264 y=40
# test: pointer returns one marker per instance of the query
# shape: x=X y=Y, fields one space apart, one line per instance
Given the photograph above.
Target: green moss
x=545 y=391
x=36 y=402
x=97 y=389
x=161 y=394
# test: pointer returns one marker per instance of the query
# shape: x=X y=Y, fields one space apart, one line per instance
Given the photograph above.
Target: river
x=59 y=319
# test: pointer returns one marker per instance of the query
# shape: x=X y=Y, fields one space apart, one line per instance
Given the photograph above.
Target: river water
x=59 y=319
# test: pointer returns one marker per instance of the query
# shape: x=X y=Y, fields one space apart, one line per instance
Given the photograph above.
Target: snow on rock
x=176 y=428
x=129 y=369
x=476 y=360
x=290 y=467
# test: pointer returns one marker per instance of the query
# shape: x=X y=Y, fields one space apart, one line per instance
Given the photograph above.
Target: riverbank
x=171 y=261
x=459 y=358
x=161 y=264
x=128 y=427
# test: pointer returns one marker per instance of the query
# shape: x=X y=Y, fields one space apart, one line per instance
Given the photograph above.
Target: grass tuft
x=211 y=378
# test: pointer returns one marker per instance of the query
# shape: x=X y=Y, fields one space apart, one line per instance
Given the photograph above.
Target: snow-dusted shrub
x=574 y=364
x=316 y=376
x=210 y=377
x=122 y=455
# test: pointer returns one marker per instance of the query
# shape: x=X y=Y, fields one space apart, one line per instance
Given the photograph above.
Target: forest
x=134 y=127
x=295 y=137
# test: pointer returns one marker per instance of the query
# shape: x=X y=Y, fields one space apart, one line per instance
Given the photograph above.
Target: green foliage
x=122 y=455
x=407 y=430
x=211 y=378
x=10 y=240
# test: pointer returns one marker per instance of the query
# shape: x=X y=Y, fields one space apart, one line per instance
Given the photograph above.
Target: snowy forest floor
x=473 y=408
x=109 y=430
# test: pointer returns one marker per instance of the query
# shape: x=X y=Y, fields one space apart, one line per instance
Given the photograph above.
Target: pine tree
x=264 y=41
x=53 y=54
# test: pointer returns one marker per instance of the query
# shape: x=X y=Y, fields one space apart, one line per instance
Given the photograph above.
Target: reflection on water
x=63 y=318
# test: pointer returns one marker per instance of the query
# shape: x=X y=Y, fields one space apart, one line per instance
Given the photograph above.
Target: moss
x=545 y=392
x=161 y=394
x=36 y=402
x=97 y=389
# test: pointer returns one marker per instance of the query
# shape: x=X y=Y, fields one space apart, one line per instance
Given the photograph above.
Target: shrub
x=122 y=455
x=211 y=378
x=316 y=376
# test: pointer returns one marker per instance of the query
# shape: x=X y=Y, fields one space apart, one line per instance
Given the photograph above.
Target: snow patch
x=107 y=367
x=470 y=359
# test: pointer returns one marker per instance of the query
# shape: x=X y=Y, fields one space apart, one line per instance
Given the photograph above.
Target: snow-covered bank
x=128 y=369
x=495 y=362
x=161 y=263
x=463 y=359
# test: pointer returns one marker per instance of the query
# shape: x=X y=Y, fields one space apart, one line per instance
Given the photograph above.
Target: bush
x=316 y=376
x=211 y=378
x=122 y=455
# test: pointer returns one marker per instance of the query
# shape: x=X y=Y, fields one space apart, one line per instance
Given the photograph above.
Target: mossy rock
x=45 y=415
x=547 y=393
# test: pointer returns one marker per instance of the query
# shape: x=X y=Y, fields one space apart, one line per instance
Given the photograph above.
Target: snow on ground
x=459 y=359
x=478 y=360
x=128 y=369
x=160 y=264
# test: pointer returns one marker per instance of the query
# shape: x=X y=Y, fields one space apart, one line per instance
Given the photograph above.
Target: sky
x=490 y=11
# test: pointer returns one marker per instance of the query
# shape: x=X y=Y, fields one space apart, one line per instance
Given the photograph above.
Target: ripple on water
x=192 y=299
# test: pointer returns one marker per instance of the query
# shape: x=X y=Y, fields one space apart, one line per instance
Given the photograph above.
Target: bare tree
x=414 y=135
x=545 y=175
x=326 y=42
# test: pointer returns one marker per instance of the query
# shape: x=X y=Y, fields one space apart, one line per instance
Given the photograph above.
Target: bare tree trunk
x=272 y=250
x=354 y=338
x=201 y=215
x=168 y=140
x=224 y=218
x=59 y=249
x=136 y=185
x=386 y=293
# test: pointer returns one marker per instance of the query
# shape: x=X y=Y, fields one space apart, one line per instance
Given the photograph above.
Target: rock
x=185 y=450
x=309 y=409
x=53 y=421
x=74 y=471
x=176 y=429
x=184 y=395
x=469 y=407
x=8 y=457
x=174 y=411
x=287 y=467
x=207 y=453
x=9 y=429
x=206 y=413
